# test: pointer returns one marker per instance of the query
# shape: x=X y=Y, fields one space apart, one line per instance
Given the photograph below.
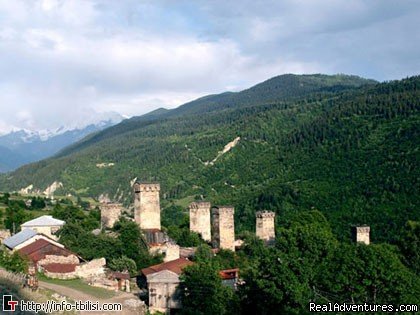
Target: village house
x=45 y=224
x=162 y=283
x=46 y=255
x=230 y=277
x=26 y=237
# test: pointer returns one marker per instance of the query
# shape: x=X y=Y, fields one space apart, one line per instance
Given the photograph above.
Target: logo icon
x=8 y=304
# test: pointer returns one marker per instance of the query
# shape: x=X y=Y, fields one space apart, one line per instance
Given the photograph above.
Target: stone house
x=230 y=277
x=45 y=224
x=162 y=283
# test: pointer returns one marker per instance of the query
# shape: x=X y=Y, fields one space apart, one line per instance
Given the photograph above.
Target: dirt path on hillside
x=75 y=295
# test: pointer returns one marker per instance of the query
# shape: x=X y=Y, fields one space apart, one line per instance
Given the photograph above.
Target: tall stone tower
x=361 y=234
x=147 y=205
x=223 y=227
x=265 y=226
x=110 y=213
x=200 y=219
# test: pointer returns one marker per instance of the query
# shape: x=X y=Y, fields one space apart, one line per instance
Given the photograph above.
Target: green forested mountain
x=339 y=144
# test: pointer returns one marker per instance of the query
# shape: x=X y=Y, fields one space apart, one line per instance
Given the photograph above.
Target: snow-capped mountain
x=22 y=146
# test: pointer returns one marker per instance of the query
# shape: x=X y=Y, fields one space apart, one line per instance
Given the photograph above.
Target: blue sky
x=68 y=62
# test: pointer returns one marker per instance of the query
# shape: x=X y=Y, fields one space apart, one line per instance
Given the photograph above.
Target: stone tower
x=223 y=227
x=361 y=234
x=200 y=219
x=110 y=213
x=265 y=226
x=147 y=205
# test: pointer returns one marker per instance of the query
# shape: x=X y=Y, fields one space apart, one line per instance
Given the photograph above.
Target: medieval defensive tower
x=200 y=219
x=110 y=213
x=361 y=234
x=147 y=205
x=223 y=227
x=265 y=226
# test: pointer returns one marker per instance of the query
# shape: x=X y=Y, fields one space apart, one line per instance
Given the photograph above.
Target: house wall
x=46 y=230
x=163 y=291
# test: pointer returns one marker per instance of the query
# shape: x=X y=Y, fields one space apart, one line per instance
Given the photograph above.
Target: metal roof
x=19 y=238
x=45 y=220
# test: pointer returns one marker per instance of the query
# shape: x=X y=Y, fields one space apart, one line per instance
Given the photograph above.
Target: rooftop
x=228 y=274
x=13 y=241
x=45 y=220
x=175 y=266
x=41 y=247
x=37 y=245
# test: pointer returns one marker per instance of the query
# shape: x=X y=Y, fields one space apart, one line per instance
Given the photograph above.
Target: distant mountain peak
x=22 y=146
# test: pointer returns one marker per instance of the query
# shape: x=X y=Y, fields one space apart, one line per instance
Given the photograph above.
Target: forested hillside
x=339 y=144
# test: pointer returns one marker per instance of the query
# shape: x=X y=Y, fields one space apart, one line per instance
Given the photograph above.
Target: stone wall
x=265 y=226
x=110 y=213
x=59 y=275
x=200 y=219
x=223 y=227
x=56 y=259
x=95 y=267
x=147 y=205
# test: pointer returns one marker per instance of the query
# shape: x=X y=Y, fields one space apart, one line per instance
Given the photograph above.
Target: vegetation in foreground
x=307 y=264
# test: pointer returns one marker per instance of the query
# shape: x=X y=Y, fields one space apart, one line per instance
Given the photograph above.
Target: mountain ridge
x=349 y=152
x=22 y=146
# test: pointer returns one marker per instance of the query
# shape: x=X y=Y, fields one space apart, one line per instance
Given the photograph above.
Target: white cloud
x=63 y=60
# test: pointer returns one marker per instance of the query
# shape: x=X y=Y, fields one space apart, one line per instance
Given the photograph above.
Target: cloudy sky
x=68 y=62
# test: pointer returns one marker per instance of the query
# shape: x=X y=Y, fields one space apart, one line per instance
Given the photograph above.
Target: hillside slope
x=350 y=152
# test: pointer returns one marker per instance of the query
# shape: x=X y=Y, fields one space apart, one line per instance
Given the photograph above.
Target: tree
x=13 y=262
x=15 y=216
x=359 y=273
x=38 y=203
x=134 y=244
x=184 y=237
x=202 y=292
x=123 y=263
x=410 y=245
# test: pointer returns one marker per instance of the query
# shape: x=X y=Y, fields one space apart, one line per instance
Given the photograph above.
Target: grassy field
x=81 y=286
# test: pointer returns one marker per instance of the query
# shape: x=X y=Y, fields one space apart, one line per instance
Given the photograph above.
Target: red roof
x=228 y=274
x=175 y=266
x=37 y=245
x=60 y=268
x=40 y=248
